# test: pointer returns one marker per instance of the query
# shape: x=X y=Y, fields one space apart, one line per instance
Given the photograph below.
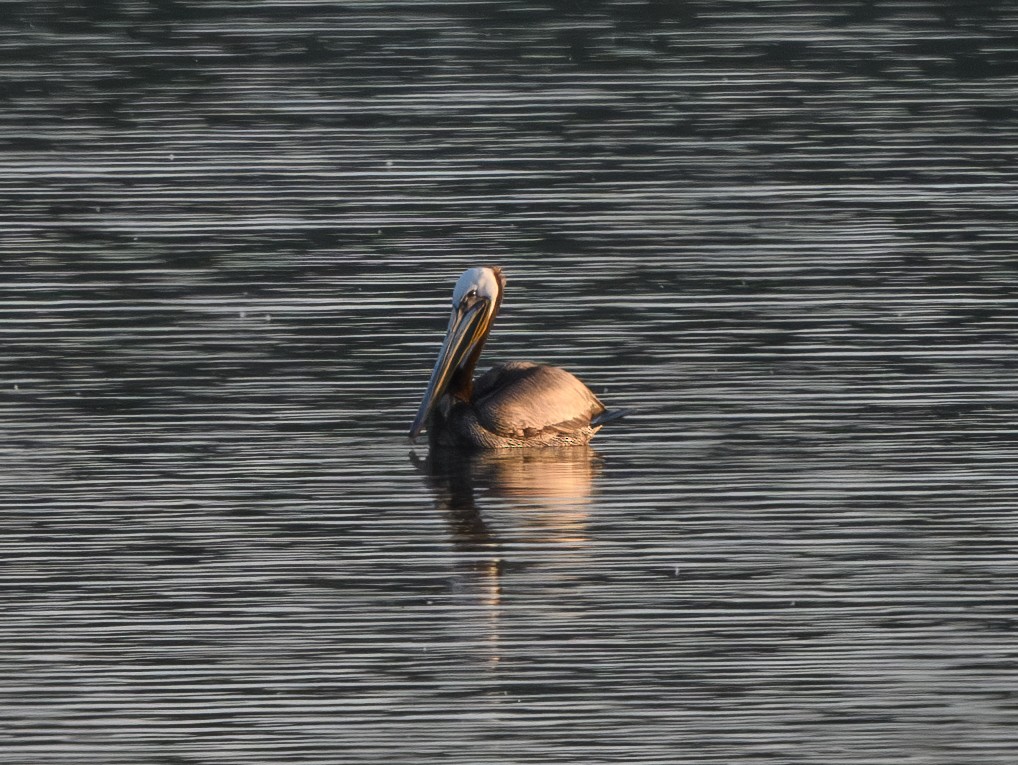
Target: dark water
x=784 y=233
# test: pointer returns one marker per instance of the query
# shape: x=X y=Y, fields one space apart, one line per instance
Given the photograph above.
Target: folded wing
x=521 y=399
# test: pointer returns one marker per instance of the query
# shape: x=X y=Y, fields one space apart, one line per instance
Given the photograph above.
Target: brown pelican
x=515 y=404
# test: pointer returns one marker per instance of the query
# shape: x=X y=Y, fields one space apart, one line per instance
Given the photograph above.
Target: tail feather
x=609 y=416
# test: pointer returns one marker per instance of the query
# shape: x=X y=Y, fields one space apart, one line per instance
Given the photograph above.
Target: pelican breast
x=521 y=399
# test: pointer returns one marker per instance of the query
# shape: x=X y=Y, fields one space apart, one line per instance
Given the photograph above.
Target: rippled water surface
x=782 y=233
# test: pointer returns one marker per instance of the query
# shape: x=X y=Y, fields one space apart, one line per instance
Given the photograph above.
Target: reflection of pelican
x=538 y=501
x=547 y=478
x=546 y=493
x=518 y=403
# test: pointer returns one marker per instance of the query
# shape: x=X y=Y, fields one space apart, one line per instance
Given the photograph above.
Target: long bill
x=466 y=327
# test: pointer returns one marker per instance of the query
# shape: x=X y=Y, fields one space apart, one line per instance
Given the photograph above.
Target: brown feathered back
x=520 y=399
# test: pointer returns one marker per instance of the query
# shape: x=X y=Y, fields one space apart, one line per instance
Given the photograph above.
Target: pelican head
x=475 y=302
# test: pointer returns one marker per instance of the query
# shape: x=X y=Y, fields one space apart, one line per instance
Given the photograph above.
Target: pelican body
x=512 y=405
